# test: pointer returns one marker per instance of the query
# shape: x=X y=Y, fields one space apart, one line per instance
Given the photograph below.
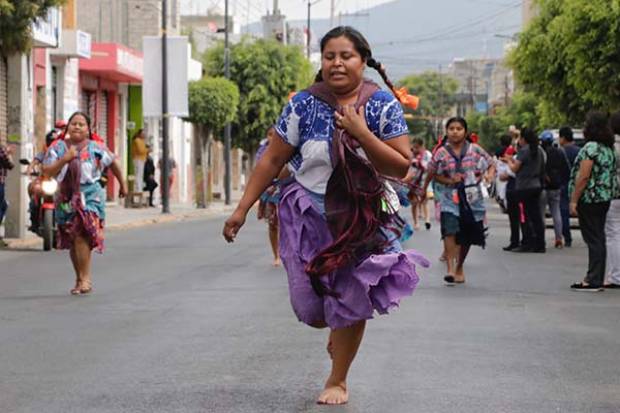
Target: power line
x=453 y=30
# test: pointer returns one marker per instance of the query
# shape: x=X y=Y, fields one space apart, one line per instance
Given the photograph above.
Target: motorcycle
x=42 y=191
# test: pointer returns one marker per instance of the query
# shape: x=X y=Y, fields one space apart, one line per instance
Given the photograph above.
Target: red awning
x=115 y=62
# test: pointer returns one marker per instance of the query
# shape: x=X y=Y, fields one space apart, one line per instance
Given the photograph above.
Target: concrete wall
x=125 y=21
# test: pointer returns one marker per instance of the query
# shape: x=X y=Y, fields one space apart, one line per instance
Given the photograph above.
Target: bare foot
x=459 y=276
x=277 y=262
x=334 y=394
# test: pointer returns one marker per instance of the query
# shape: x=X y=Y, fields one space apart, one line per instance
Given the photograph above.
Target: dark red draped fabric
x=354 y=198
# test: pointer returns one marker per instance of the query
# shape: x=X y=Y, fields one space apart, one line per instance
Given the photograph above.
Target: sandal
x=449 y=280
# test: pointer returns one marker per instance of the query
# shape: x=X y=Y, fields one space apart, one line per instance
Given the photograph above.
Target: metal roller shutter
x=87 y=104
x=102 y=122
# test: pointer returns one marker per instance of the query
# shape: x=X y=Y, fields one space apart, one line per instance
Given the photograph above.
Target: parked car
x=577 y=136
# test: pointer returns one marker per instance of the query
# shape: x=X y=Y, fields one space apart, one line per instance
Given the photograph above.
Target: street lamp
x=310 y=4
x=165 y=184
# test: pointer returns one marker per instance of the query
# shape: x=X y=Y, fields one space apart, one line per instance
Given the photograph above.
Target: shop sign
x=129 y=62
x=46 y=31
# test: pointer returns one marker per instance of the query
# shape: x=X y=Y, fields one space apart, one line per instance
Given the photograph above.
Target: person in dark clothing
x=6 y=163
x=592 y=186
x=508 y=194
x=557 y=174
x=571 y=150
x=149 y=175
x=529 y=167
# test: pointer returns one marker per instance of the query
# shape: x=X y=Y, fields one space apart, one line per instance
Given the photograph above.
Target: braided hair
x=361 y=46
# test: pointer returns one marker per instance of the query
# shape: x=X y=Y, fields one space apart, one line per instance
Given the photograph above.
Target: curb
x=19 y=243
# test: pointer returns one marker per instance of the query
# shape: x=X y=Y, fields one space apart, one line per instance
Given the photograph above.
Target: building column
x=20 y=126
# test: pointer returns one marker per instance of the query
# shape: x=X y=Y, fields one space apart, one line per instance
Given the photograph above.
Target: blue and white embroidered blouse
x=93 y=159
x=307 y=123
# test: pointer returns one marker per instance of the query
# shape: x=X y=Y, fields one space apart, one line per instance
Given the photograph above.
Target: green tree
x=569 y=57
x=16 y=19
x=266 y=72
x=524 y=110
x=437 y=93
x=213 y=102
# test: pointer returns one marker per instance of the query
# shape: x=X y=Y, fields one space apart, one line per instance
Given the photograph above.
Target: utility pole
x=308 y=34
x=165 y=185
x=227 y=131
x=332 y=12
x=310 y=4
x=439 y=122
x=506 y=89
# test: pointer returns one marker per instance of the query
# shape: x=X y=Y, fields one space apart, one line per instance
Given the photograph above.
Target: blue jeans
x=564 y=211
x=3 y=203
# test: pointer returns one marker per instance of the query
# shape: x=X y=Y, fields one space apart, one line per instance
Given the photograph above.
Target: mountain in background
x=411 y=36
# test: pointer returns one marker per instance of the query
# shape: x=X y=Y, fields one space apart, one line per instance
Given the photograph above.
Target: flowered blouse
x=307 y=123
x=93 y=159
x=602 y=185
x=474 y=164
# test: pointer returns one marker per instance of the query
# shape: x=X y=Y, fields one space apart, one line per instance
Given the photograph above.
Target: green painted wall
x=135 y=115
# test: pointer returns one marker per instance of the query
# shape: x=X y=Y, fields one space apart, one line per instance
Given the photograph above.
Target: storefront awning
x=114 y=62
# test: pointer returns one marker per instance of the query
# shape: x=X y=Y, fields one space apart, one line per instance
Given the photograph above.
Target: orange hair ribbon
x=410 y=101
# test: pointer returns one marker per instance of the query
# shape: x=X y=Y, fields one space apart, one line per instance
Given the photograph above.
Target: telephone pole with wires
x=227 y=128
x=310 y=4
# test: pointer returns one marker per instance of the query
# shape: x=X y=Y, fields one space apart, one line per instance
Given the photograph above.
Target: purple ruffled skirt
x=376 y=283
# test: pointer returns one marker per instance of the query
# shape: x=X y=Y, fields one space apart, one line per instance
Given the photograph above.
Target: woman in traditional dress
x=337 y=242
x=77 y=162
x=268 y=201
x=458 y=167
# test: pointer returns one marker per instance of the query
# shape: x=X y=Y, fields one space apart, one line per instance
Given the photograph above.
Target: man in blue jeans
x=570 y=150
x=6 y=163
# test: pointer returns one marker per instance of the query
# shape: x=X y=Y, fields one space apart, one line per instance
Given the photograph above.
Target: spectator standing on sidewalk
x=593 y=185
x=612 y=224
x=6 y=163
x=339 y=281
x=529 y=167
x=557 y=174
x=77 y=162
x=459 y=168
x=139 y=152
x=149 y=175
x=567 y=144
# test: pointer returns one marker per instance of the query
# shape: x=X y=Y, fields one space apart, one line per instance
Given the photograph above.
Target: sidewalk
x=120 y=218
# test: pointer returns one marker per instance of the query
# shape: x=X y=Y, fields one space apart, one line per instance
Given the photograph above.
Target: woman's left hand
x=573 y=208
x=122 y=191
x=352 y=121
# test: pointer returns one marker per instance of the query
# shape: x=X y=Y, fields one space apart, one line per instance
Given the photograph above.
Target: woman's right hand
x=233 y=224
x=70 y=155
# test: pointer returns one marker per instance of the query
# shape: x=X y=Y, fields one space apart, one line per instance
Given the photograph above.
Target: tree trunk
x=209 y=165
x=202 y=197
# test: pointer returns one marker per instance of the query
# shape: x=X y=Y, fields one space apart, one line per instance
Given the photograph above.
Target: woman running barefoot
x=415 y=179
x=77 y=162
x=458 y=168
x=342 y=259
x=268 y=201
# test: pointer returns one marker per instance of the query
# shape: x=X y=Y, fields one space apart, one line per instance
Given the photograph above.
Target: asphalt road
x=181 y=322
